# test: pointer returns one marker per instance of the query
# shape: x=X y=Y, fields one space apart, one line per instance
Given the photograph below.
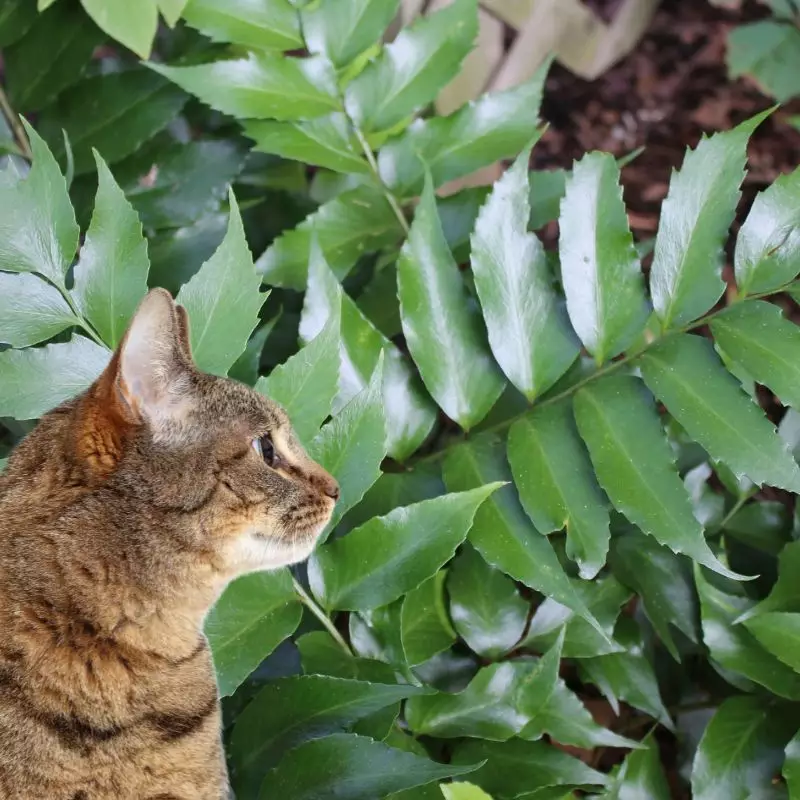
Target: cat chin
x=255 y=551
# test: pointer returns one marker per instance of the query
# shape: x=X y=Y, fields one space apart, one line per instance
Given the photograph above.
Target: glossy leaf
x=171 y=10
x=291 y=711
x=557 y=486
x=425 y=626
x=687 y=376
x=641 y=777
x=31 y=310
x=599 y=266
x=634 y=465
x=260 y=24
x=38 y=232
x=261 y=85
x=343 y=31
x=16 y=18
x=247 y=366
x=528 y=329
x=410 y=71
x=490 y=128
x=253 y=616
x=785 y=593
x=391 y=555
x=132 y=25
x=223 y=301
x=768 y=243
x=779 y=633
x=459 y=790
x=443 y=332
x=356 y=767
x=111 y=275
x=38 y=379
x=759 y=339
x=791 y=767
x=485 y=606
x=696 y=214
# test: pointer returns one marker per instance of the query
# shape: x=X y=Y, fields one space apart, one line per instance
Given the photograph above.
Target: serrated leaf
x=741 y=750
x=38 y=232
x=114 y=113
x=391 y=555
x=346 y=765
x=758 y=338
x=31 y=310
x=687 y=376
x=785 y=593
x=260 y=24
x=695 y=216
x=132 y=25
x=291 y=711
x=528 y=329
x=261 y=85
x=779 y=633
x=111 y=275
x=768 y=243
x=599 y=267
x=64 y=34
x=425 y=626
x=485 y=130
x=410 y=71
x=324 y=142
x=443 y=331
x=634 y=465
x=247 y=366
x=485 y=606
x=38 y=379
x=254 y=615
x=641 y=777
x=734 y=647
x=557 y=486
x=343 y=31
x=353 y=224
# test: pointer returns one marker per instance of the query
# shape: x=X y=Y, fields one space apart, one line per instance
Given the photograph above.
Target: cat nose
x=330 y=487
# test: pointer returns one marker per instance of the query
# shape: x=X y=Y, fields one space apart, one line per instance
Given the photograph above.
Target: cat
x=123 y=516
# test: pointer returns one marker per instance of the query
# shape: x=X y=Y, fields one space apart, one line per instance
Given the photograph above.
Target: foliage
x=551 y=464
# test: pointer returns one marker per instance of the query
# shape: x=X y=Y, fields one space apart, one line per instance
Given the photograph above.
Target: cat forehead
x=228 y=400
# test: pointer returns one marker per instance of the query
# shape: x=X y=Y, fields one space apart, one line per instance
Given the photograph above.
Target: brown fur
x=123 y=515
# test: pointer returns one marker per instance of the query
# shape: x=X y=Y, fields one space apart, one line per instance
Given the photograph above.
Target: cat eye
x=265 y=449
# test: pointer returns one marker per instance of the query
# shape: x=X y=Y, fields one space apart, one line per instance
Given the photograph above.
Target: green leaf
x=634 y=465
x=171 y=10
x=355 y=767
x=306 y=384
x=768 y=243
x=223 y=301
x=696 y=214
x=391 y=555
x=741 y=750
x=261 y=24
x=769 y=52
x=343 y=31
x=425 y=626
x=38 y=379
x=262 y=86
x=353 y=444
x=38 y=232
x=410 y=71
x=599 y=266
x=247 y=366
x=528 y=329
x=254 y=615
x=3 y=463
x=31 y=310
x=294 y=710
x=486 y=608
x=779 y=633
x=557 y=486
x=485 y=130
x=443 y=331
x=785 y=593
x=502 y=533
x=547 y=187
x=641 y=777
x=517 y=766
x=463 y=791
x=114 y=113
x=761 y=341
x=16 y=17
x=353 y=224
x=687 y=376
x=791 y=767
x=324 y=142
x=734 y=648
x=63 y=34
x=111 y=276
x=132 y=25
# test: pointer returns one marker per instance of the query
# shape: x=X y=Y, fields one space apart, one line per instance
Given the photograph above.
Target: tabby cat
x=123 y=516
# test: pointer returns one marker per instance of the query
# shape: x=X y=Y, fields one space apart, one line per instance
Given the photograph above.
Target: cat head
x=205 y=459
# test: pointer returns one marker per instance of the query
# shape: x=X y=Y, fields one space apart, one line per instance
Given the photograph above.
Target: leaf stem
x=311 y=605
x=16 y=126
x=76 y=311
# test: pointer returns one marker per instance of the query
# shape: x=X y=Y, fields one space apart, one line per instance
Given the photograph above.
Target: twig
x=311 y=605
x=16 y=126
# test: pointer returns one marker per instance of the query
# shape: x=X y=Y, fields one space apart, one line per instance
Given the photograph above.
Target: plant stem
x=16 y=126
x=74 y=309
x=310 y=604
